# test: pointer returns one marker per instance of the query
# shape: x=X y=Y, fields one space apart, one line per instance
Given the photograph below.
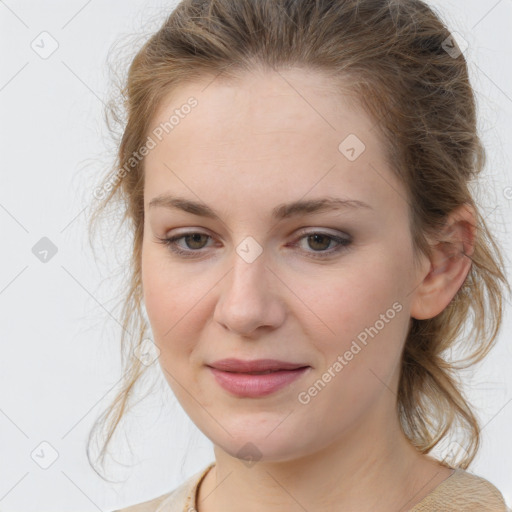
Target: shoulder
x=463 y=491
x=174 y=501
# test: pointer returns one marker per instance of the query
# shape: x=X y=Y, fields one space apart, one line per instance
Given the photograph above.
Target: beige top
x=460 y=492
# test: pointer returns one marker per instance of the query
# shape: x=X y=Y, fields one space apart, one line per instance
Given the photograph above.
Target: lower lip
x=251 y=385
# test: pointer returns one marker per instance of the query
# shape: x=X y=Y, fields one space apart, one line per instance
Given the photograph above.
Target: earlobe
x=450 y=263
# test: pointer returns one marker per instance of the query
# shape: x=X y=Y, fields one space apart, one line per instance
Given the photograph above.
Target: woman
x=307 y=250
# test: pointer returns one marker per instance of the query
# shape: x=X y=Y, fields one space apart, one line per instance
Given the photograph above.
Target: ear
x=449 y=265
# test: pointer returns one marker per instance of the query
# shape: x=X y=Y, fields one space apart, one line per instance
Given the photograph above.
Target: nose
x=250 y=298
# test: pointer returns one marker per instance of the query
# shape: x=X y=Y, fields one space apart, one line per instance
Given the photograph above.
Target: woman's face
x=269 y=274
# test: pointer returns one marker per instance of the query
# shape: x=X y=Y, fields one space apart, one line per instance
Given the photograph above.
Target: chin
x=254 y=444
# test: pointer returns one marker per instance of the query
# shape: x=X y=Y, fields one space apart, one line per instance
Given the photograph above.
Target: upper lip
x=255 y=365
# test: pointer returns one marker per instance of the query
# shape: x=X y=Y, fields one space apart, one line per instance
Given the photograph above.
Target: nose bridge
x=248 y=277
x=247 y=301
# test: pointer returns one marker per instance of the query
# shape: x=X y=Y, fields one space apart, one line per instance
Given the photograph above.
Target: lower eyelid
x=172 y=241
x=342 y=244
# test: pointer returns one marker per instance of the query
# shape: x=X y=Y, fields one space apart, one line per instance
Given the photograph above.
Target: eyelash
x=344 y=244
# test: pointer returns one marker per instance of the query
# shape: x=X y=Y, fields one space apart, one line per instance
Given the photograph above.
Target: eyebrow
x=280 y=212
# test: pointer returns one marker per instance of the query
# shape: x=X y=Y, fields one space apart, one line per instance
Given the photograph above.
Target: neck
x=386 y=474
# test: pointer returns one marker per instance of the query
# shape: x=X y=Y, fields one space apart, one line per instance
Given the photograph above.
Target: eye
x=320 y=241
x=192 y=240
x=195 y=241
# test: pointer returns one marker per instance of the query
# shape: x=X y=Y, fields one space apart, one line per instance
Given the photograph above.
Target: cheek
x=167 y=297
x=155 y=290
x=167 y=306
x=359 y=361
x=363 y=315
x=177 y=305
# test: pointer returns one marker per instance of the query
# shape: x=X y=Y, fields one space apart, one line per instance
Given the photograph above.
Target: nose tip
x=248 y=301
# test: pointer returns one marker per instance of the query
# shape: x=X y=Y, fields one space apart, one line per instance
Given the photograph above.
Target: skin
x=247 y=147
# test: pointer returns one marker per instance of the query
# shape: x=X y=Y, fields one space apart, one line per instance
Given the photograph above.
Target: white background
x=59 y=361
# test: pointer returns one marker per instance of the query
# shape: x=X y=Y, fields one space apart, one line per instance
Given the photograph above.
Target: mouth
x=257 y=378
x=255 y=366
x=264 y=372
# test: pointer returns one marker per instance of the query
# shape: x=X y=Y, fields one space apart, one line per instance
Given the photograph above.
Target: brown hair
x=418 y=93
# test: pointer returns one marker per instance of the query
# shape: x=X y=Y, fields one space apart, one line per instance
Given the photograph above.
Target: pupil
x=196 y=237
x=317 y=236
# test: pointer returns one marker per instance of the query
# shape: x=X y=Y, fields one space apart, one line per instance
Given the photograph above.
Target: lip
x=233 y=375
x=254 y=365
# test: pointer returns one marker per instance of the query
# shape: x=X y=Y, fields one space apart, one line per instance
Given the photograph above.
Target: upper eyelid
x=343 y=243
x=302 y=233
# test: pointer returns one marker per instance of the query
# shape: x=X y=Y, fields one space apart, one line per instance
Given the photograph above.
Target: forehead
x=294 y=101
x=270 y=132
